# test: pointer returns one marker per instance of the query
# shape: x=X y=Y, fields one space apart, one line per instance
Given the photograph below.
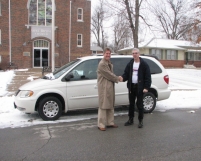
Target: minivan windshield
x=56 y=74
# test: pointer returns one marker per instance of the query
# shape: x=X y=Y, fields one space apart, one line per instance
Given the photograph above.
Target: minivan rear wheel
x=149 y=102
x=50 y=108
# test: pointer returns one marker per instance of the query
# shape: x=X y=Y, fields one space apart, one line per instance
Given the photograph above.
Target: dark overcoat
x=144 y=75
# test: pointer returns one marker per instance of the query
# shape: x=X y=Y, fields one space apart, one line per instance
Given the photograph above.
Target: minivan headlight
x=24 y=94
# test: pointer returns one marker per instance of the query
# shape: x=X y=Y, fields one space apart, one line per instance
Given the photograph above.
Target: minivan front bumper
x=24 y=104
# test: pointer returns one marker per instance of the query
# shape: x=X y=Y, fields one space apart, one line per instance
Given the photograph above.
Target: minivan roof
x=154 y=56
x=116 y=56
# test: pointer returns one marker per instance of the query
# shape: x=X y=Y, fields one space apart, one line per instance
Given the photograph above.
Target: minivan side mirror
x=69 y=76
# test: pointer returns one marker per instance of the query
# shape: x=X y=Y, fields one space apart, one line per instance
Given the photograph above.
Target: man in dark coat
x=138 y=77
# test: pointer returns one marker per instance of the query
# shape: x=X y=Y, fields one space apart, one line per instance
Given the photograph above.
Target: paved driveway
x=166 y=136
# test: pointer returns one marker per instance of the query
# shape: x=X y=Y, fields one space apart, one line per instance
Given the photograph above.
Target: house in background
x=171 y=53
x=26 y=31
x=95 y=49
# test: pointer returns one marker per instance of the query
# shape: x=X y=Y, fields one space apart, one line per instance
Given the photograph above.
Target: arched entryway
x=40 y=53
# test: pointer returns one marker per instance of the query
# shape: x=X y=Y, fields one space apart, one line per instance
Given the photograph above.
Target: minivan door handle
x=95 y=86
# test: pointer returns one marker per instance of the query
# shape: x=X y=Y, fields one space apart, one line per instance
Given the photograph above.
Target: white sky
x=184 y=83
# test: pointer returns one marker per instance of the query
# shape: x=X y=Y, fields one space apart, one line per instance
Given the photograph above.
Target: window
x=40 y=12
x=154 y=68
x=86 y=70
x=79 y=40
x=41 y=43
x=190 y=56
x=119 y=64
x=171 y=55
x=94 y=52
x=80 y=14
x=156 y=52
x=198 y=56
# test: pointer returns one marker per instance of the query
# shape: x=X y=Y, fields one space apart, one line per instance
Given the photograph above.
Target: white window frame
x=171 y=54
x=157 y=52
x=79 y=14
x=79 y=40
x=198 y=57
x=191 y=56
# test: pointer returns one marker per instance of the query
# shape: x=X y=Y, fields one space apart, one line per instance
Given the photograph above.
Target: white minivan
x=74 y=86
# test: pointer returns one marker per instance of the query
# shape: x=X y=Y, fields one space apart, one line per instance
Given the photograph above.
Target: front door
x=84 y=81
x=40 y=53
x=40 y=57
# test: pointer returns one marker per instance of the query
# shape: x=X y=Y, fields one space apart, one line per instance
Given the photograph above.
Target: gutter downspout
x=70 y=33
x=53 y=35
x=10 y=55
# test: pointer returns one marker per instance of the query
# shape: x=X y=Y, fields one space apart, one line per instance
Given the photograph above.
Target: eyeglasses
x=135 y=53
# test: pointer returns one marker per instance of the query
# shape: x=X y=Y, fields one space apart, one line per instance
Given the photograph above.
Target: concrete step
x=20 y=78
x=188 y=66
x=35 y=70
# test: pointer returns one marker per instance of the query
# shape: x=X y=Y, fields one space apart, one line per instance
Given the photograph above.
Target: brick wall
x=173 y=63
x=4 y=26
x=179 y=63
x=195 y=63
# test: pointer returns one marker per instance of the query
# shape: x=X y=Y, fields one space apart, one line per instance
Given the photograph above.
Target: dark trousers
x=133 y=95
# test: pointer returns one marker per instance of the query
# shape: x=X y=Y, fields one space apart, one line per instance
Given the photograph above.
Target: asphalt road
x=173 y=135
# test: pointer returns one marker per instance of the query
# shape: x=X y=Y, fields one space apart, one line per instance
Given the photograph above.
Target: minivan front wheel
x=50 y=108
x=149 y=102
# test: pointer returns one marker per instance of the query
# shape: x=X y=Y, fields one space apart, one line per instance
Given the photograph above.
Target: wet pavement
x=173 y=135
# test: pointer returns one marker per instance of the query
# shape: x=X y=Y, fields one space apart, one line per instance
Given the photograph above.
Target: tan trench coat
x=106 y=79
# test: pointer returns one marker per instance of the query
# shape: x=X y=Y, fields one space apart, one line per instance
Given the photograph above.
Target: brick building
x=26 y=32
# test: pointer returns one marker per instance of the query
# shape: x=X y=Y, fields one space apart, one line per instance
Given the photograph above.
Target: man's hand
x=120 y=79
x=145 y=90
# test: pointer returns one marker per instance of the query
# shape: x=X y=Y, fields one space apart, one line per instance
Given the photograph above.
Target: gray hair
x=136 y=49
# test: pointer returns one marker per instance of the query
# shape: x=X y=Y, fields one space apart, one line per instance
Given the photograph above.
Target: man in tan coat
x=106 y=91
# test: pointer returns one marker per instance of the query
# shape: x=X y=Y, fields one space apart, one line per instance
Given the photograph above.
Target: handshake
x=120 y=79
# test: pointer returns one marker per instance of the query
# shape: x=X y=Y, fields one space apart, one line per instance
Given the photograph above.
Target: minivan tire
x=50 y=108
x=149 y=102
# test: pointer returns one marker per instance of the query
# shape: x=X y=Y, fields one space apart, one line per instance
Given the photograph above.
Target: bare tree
x=97 y=22
x=173 y=18
x=132 y=11
x=122 y=33
x=194 y=34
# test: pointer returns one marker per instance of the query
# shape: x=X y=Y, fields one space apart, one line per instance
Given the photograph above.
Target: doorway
x=40 y=57
x=40 y=54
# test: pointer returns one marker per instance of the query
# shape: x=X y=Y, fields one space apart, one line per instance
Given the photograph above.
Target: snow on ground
x=186 y=90
x=184 y=83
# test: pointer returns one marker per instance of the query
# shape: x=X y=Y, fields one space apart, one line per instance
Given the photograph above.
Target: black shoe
x=140 y=125
x=129 y=122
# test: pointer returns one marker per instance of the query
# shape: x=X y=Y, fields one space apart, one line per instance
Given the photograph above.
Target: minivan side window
x=85 y=70
x=154 y=68
x=119 y=64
